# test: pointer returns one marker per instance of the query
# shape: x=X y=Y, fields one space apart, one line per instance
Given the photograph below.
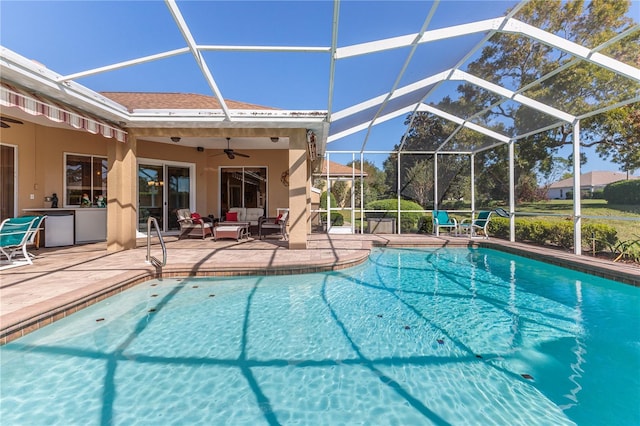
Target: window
x=85 y=174
x=243 y=187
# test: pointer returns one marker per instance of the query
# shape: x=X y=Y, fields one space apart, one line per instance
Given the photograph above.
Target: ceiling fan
x=231 y=154
x=8 y=120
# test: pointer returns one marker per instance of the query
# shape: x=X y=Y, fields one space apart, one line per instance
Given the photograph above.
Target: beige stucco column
x=298 y=177
x=122 y=203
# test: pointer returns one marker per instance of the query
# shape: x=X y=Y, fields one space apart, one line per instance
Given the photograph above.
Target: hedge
x=622 y=192
x=555 y=233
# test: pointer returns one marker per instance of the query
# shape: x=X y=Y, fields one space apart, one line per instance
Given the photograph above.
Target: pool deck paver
x=65 y=279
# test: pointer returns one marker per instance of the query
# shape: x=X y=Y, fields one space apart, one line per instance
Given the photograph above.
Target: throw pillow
x=232 y=216
x=196 y=218
x=278 y=219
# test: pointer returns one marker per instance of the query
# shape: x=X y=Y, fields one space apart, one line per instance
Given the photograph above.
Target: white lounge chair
x=479 y=224
x=441 y=219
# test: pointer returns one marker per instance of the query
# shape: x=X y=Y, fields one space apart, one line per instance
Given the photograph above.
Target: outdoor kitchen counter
x=89 y=224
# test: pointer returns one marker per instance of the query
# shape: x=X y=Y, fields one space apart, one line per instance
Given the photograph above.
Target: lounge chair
x=441 y=219
x=193 y=226
x=479 y=224
x=274 y=225
x=16 y=234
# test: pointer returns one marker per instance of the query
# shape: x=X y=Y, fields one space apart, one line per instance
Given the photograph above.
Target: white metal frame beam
x=414 y=46
x=453 y=75
x=589 y=55
x=197 y=54
x=332 y=63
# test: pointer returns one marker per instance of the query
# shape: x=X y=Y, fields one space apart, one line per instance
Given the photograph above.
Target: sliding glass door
x=178 y=193
x=163 y=188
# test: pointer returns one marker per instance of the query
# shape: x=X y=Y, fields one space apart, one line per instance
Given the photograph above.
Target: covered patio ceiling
x=407 y=62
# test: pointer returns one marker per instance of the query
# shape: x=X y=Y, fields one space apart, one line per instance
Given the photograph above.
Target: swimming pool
x=424 y=336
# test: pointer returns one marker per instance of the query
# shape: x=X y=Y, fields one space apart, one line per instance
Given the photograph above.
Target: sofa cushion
x=231 y=217
x=253 y=214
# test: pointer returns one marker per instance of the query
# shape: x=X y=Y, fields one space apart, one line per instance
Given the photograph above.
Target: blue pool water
x=433 y=336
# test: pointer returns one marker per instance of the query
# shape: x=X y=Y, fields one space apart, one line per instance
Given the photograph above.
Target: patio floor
x=63 y=280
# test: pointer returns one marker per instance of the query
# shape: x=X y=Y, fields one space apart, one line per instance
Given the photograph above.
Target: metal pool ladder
x=151 y=259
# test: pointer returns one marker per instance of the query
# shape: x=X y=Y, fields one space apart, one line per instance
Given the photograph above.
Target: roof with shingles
x=337 y=169
x=155 y=100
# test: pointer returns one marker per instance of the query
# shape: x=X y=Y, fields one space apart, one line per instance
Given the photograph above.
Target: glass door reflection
x=150 y=195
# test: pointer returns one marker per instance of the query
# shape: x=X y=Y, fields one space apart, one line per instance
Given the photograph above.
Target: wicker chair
x=192 y=227
x=274 y=225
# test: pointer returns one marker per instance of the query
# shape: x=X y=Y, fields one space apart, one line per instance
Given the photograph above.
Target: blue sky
x=73 y=36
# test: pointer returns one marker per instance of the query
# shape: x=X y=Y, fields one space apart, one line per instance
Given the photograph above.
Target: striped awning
x=37 y=105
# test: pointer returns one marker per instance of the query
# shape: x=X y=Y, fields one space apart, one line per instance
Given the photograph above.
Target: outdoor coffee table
x=236 y=230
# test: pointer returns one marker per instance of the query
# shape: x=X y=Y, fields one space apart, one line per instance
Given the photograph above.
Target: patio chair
x=480 y=224
x=16 y=234
x=193 y=225
x=274 y=225
x=35 y=228
x=441 y=219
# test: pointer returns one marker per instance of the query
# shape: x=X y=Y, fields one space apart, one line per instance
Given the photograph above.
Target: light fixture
x=175 y=139
x=274 y=139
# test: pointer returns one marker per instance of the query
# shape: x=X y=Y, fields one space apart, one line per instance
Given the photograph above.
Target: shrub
x=499 y=227
x=555 y=233
x=561 y=234
x=534 y=230
x=622 y=192
x=605 y=236
x=410 y=222
x=323 y=201
x=337 y=219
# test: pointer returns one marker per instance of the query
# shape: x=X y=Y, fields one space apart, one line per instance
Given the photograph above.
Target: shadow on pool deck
x=65 y=279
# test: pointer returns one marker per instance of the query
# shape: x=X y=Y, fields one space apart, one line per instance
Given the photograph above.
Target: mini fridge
x=58 y=229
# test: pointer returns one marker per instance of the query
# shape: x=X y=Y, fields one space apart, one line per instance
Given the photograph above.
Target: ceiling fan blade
x=4 y=125
x=11 y=120
x=241 y=155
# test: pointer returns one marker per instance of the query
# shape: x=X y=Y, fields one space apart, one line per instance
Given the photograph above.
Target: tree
x=426 y=133
x=341 y=192
x=374 y=185
x=419 y=180
x=620 y=131
x=516 y=61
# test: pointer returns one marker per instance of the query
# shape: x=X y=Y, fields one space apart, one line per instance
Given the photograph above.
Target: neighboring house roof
x=337 y=169
x=154 y=100
x=593 y=180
